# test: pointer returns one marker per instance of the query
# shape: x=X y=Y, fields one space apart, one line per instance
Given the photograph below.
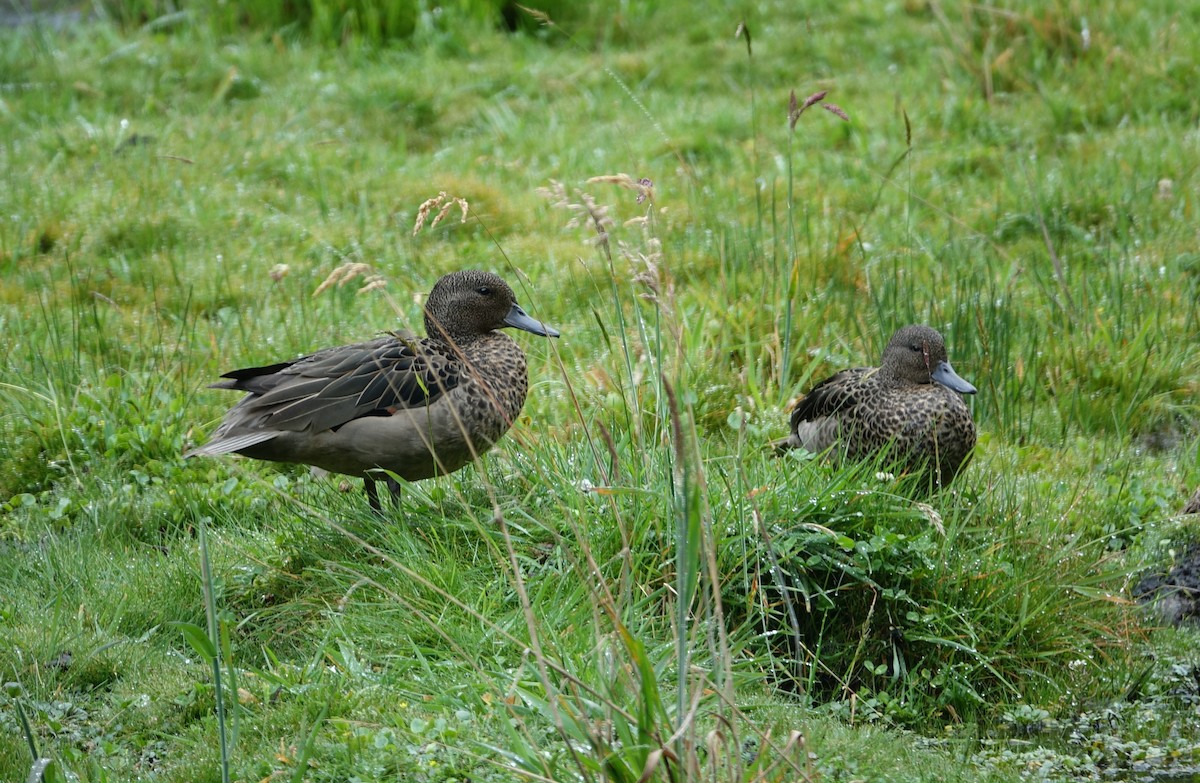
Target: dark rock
x=1175 y=595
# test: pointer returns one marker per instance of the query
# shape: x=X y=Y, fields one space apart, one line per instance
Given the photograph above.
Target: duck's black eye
x=483 y=289
x=915 y=347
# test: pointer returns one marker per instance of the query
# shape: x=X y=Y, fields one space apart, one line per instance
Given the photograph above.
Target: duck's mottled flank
x=911 y=404
x=418 y=407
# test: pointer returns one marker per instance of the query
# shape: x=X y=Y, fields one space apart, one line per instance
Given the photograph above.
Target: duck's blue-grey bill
x=518 y=319
x=946 y=376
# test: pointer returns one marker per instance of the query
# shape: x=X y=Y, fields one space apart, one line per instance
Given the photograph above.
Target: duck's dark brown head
x=470 y=303
x=916 y=355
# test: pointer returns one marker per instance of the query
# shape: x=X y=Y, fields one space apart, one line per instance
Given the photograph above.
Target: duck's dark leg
x=372 y=494
x=370 y=485
x=394 y=488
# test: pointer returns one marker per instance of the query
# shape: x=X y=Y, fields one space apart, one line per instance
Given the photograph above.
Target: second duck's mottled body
x=418 y=407
x=910 y=404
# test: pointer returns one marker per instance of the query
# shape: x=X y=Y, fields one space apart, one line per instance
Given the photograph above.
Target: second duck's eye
x=484 y=290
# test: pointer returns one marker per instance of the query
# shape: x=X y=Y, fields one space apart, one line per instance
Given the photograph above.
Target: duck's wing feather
x=256 y=380
x=831 y=396
x=329 y=388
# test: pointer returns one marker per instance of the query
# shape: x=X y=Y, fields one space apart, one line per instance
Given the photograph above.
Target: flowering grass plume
x=443 y=203
x=643 y=186
x=371 y=280
x=583 y=208
x=795 y=108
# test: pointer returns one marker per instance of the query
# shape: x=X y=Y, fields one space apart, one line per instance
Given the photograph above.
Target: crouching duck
x=417 y=407
x=910 y=404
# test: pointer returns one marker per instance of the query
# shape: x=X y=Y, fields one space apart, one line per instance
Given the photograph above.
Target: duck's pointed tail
x=231 y=444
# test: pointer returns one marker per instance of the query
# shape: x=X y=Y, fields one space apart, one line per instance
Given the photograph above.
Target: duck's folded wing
x=831 y=396
x=327 y=389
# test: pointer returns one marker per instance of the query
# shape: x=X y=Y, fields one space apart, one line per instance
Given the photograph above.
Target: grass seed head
x=795 y=109
x=833 y=108
x=343 y=274
x=443 y=203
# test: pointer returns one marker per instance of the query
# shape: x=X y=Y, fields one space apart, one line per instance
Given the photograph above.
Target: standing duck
x=910 y=404
x=418 y=407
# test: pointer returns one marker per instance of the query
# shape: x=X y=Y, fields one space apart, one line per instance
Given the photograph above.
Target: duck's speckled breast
x=928 y=423
x=498 y=383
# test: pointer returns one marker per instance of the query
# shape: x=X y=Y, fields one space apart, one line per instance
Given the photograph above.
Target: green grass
x=706 y=610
